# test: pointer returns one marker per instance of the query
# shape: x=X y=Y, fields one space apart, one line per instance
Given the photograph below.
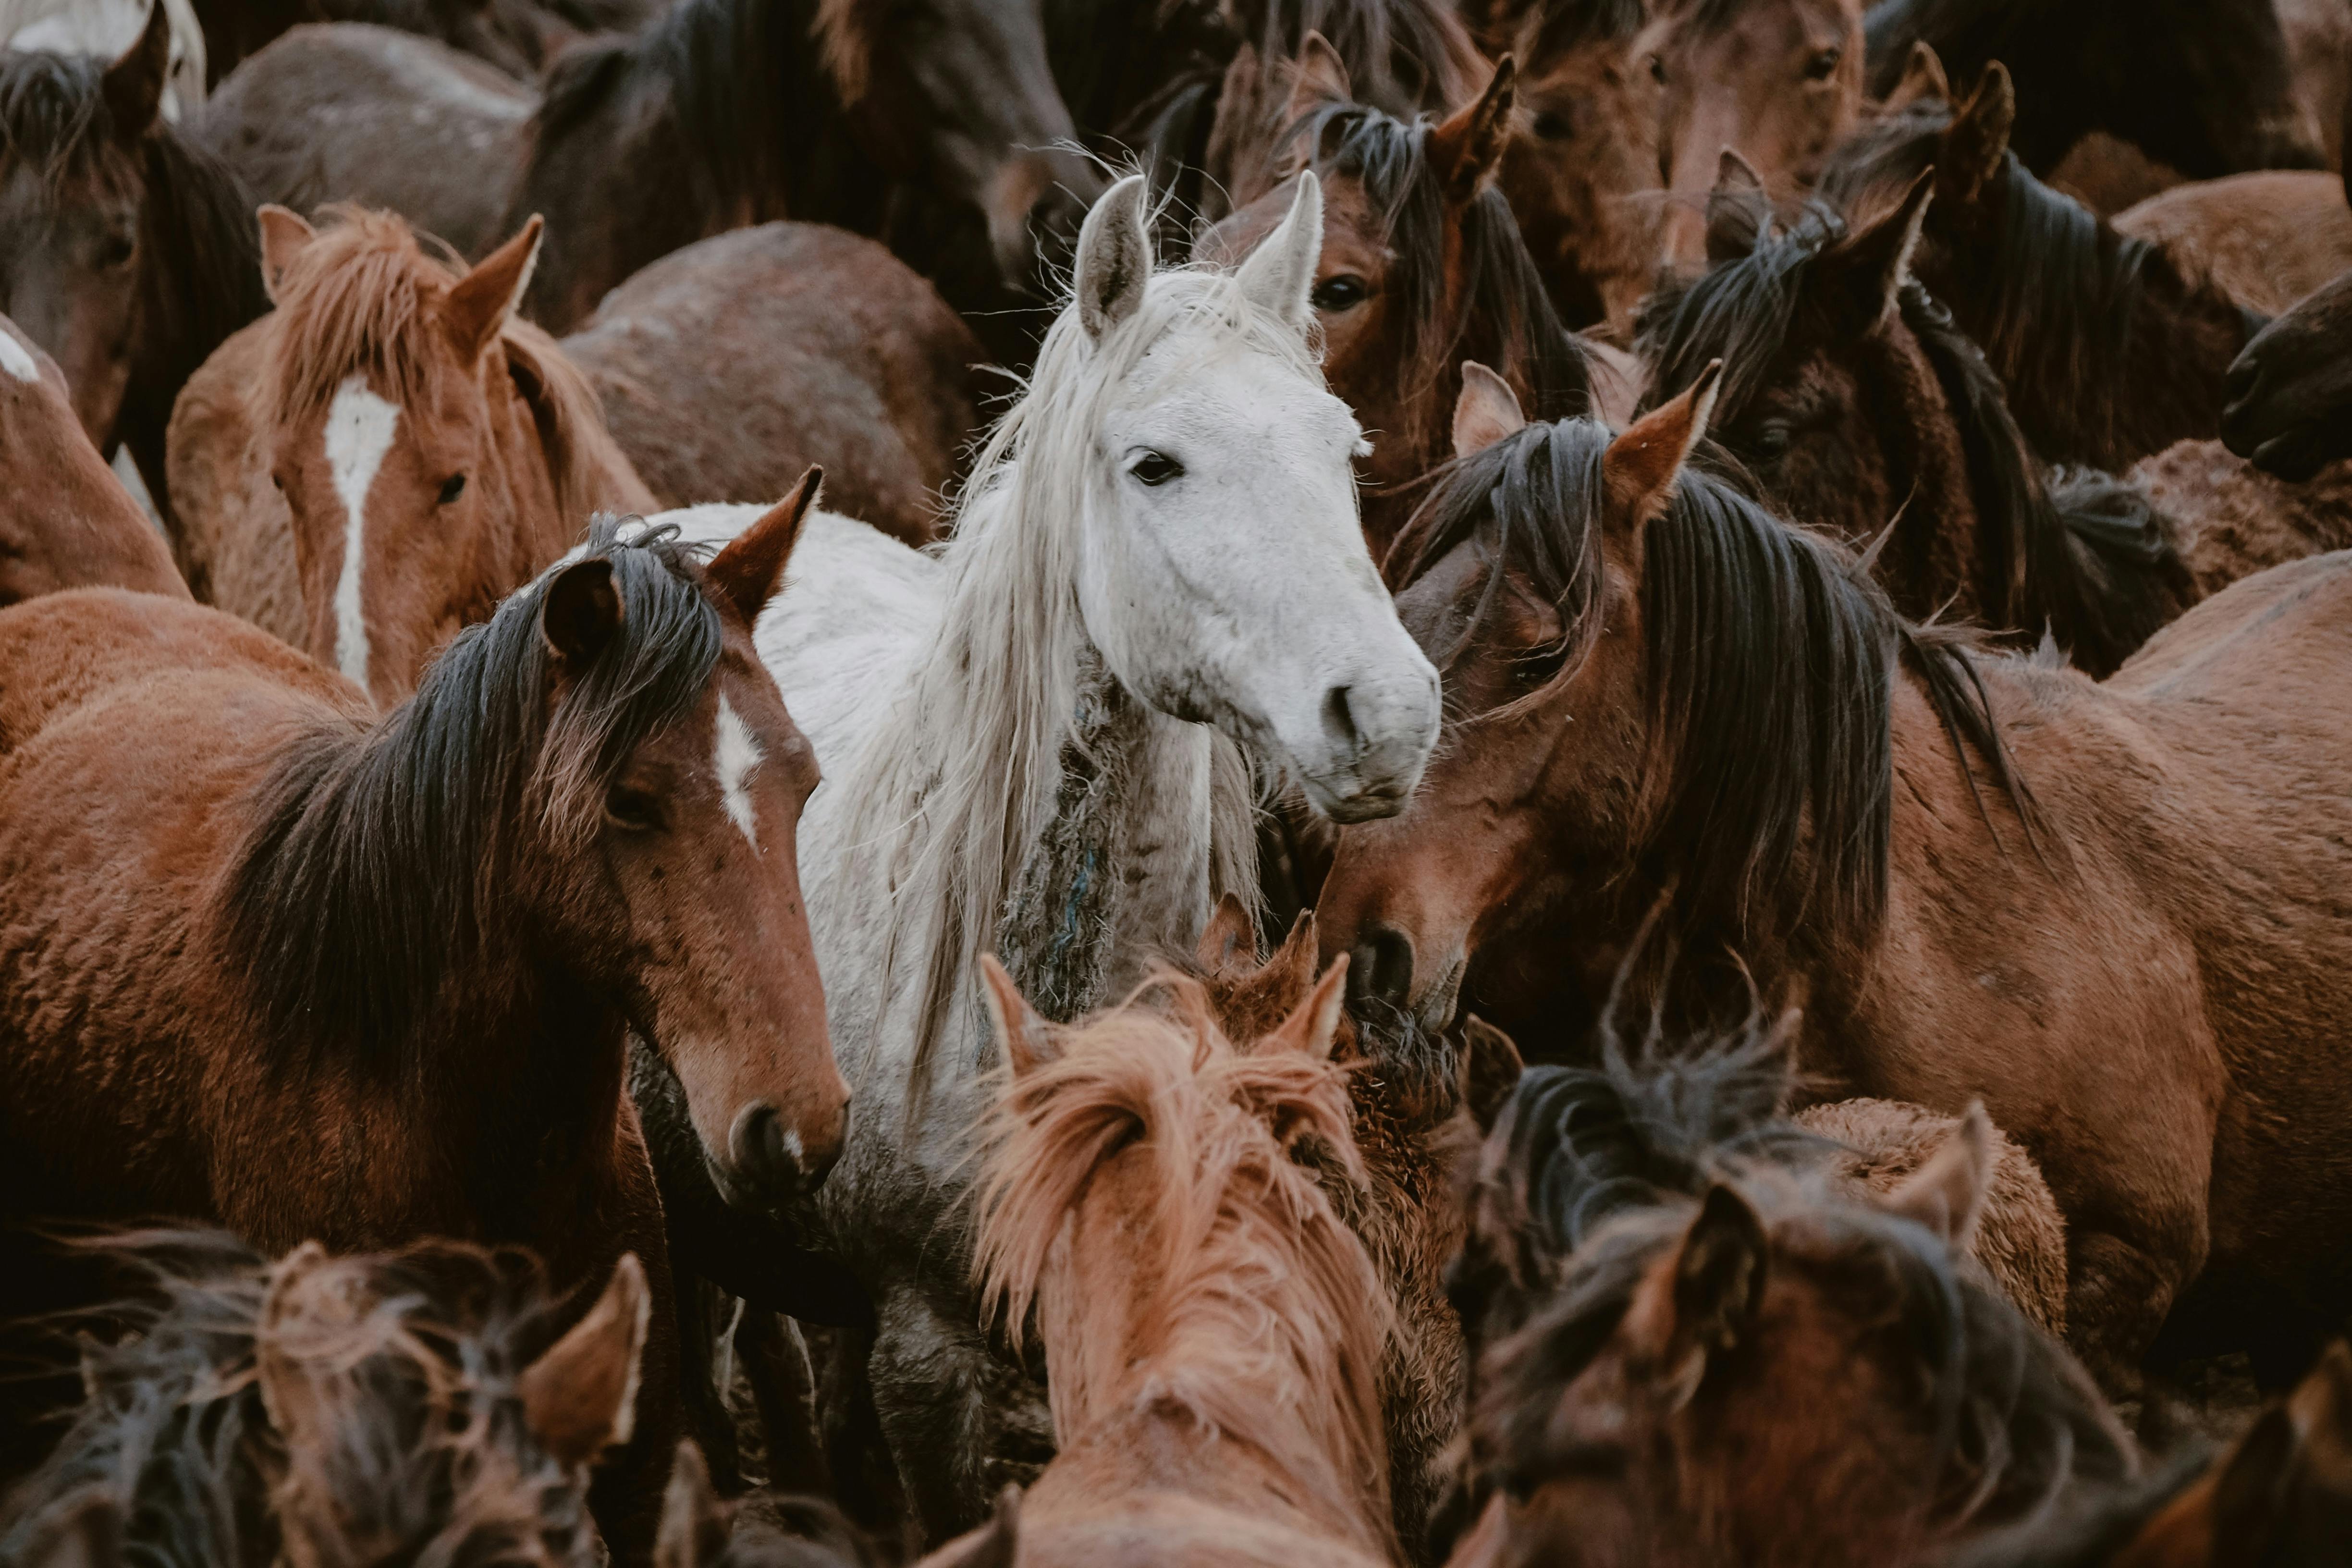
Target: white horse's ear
x=1114 y=258
x=1280 y=273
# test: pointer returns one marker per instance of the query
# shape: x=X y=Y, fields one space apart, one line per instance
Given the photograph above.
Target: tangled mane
x=410 y=1359
x=1503 y=315
x=1269 y=1317
x=953 y=795
x=380 y=859
x=1771 y=669
x=2101 y=583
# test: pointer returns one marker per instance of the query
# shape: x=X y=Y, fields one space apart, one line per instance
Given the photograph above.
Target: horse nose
x=1380 y=970
x=771 y=1156
x=2244 y=375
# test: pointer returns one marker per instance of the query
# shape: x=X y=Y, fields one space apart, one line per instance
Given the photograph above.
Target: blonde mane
x=1271 y=1319
x=950 y=795
x=362 y=299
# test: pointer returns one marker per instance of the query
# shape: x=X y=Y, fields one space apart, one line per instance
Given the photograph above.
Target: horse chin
x=2297 y=454
x=1358 y=803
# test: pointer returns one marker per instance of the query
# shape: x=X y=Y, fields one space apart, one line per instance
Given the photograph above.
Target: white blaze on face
x=17 y=360
x=735 y=754
x=360 y=425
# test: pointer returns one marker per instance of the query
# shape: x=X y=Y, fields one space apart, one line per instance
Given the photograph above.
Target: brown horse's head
x=1716 y=1378
x=1777 y=82
x=1422 y=267
x=433 y=451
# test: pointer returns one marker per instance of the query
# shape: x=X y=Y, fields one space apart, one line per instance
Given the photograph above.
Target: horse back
x=234 y=537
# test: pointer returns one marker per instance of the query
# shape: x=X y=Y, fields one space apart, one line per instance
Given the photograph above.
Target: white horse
x=1033 y=744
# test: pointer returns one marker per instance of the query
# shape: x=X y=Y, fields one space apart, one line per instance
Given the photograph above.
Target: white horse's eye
x=1155 y=469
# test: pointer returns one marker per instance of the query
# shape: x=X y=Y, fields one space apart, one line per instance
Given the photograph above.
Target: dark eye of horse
x=117 y=252
x=632 y=809
x=452 y=488
x=1823 y=63
x=1553 y=127
x=1155 y=469
x=1344 y=292
x=1658 y=70
x=1773 y=441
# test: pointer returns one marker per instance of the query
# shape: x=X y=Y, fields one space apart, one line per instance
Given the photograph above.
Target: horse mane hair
x=378 y=856
x=1270 y=1318
x=2102 y=591
x=1552 y=30
x=359 y=299
x=427 y=1460
x=951 y=796
x=1402 y=55
x=2067 y=291
x=197 y=217
x=1772 y=658
x=1504 y=317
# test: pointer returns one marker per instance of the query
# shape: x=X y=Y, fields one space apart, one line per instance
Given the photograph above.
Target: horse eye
x=1344 y=292
x=1658 y=70
x=1553 y=128
x=452 y=488
x=1155 y=469
x=632 y=809
x=1774 y=440
x=1823 y=63
x=117 y=252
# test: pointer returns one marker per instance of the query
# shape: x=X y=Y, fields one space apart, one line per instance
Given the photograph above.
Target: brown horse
x=271 y=962
x=389 y=453
x=1422 y=268
x=417 y=1405
x=2291 y=391
x=2266 y=239
x=126 y=251
x=1212 y=1333
x=727 y=367
x=1863 y=412
x=1672 y=701
x=65 y=520
x=2111 y=349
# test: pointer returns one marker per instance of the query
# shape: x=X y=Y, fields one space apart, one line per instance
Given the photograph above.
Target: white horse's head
x=1222 y=568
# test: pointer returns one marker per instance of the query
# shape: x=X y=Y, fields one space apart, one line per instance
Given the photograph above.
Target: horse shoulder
x=2267 y=238
x=236 y=536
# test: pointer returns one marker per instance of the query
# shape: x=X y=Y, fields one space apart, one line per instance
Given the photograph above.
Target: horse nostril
x=766 y=1150
x=2241 y=381
x=1339 y=723
x=1380 y=970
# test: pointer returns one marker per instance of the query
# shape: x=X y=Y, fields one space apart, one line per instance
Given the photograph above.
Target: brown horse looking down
x=1212 y=1333
x=382 y=458
x=267 y=962
x=2290 y=409
x=66 y=521
x=126 y=251
x=424 y=1405
x=1666 y=699
x=1864 y=413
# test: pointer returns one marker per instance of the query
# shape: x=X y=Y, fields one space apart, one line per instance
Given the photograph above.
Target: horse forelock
x=1268 y=1315
x=359 y=300
x=382 y=866
x=54 y=115
x=1402 y=55
x=844 y=33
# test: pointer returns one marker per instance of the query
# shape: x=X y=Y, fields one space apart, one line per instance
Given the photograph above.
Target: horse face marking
x=15 y=361
x=360 y=426
x=735 y=754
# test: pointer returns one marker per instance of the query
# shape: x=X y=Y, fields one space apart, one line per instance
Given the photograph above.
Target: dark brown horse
x=1672 y=705
x=2290 y=408
x=126 y=251
x=65 y=520
x=2111 y=350
x=271 y=962
x=1864 y=413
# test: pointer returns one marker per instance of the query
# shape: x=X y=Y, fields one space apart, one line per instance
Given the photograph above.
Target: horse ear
x=694 y=1523
x=1114 y=258
x=1314 y=1026
x=581 y=1397
x=1280 y=273
x=1465 y=148
x=1923 y=80
x=1866 y=274
x=1491 y=1067
x=1640 y=466
x=1228 y=947
x=1707 y=1303
x=87 y=1532
x=1320 y=77
x=1487 y=411
x=1737 y=209
x=2322 y=1408
x=1948 y=1193
x=479 y=304
x=750 y=569
x=285 y=236
x=1976 y=142
x=994 y=1545
x=133 y=86
x=581 y=612
x=287 y=1394
x=1028 y=1039
x=1294 y=960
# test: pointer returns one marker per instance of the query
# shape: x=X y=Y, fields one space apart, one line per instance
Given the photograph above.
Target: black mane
x=379 y=859
x=1554 y=29
x=1402 y=55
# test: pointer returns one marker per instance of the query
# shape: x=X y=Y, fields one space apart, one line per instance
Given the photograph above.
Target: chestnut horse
x=1667 y=700
x=375 y=463
x=126 y=250
x=417 y=1405
x=267 y=962
x=1865 y=414
x=1212 y=1333
x=65 y=520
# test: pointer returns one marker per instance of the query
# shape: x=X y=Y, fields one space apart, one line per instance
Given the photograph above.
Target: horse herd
x=1607 y=823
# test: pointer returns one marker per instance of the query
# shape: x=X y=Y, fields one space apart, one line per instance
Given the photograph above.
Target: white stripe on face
x=359 y=433
x=735 y=754
x=17 y=360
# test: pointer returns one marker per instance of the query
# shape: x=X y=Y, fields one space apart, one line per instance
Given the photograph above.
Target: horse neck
x=1937 y=557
